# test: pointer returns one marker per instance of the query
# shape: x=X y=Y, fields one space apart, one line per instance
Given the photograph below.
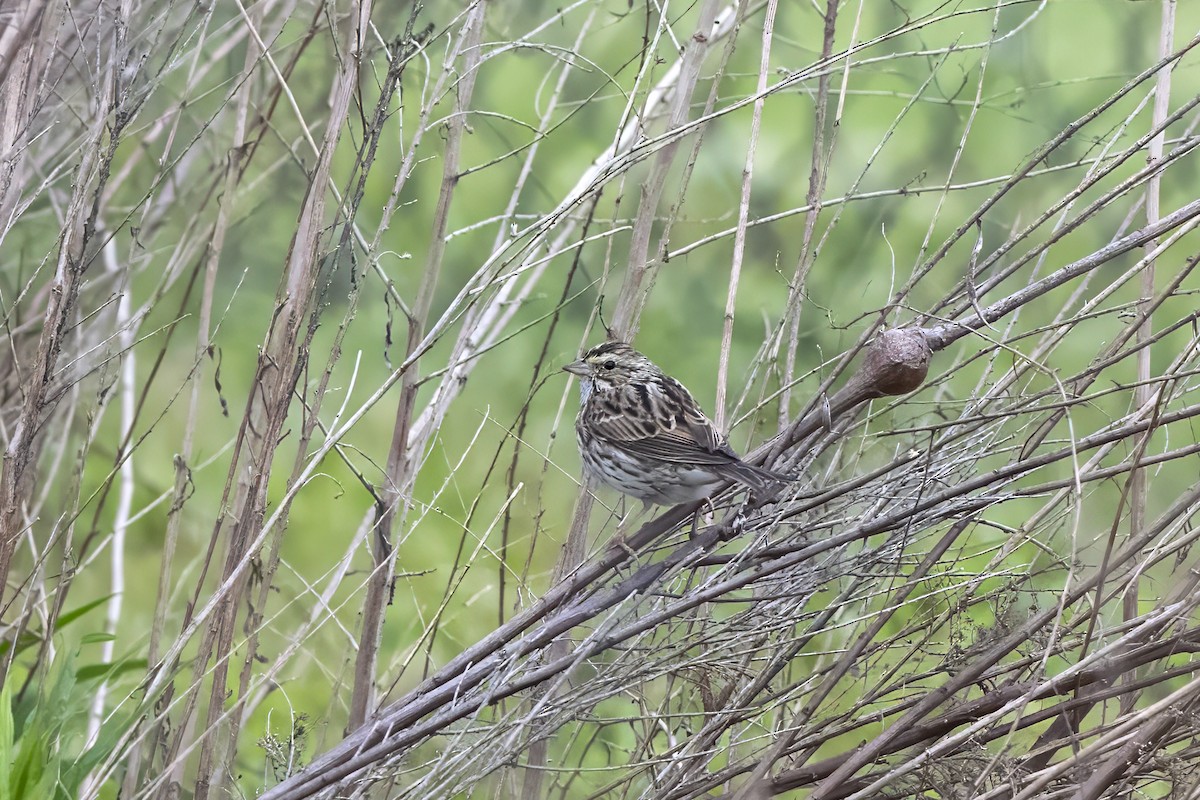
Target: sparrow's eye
x=610 y=364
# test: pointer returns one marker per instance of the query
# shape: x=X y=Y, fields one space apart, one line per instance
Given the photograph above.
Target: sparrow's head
x=611 y=365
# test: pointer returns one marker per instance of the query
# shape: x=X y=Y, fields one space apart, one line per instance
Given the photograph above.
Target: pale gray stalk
x=117 y=554
x=819 y=160
x=1143 y=393
x=638 y=267
x=739 y=238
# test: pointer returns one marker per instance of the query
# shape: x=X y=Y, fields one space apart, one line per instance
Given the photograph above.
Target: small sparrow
x=641 y=432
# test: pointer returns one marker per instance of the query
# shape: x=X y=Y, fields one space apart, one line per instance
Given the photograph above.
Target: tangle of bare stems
x=983 y=584
x=624 y=608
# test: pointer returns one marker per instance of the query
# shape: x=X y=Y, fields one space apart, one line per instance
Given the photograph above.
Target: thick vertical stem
x=20 y=456
x=403 y=462
x=816 y=188
x=1144 y=391
x=633 y=291
x=282 y=361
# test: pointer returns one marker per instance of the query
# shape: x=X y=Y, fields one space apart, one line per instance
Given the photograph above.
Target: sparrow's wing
x=661 y=421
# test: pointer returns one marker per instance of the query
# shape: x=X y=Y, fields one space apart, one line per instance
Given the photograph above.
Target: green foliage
x=43 y=748
x=30 y=639
x=284 y=754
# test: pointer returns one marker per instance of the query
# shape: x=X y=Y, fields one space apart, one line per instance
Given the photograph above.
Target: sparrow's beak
x=579 y=368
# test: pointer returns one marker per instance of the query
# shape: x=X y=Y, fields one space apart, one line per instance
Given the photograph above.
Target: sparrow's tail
x=756 y=478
